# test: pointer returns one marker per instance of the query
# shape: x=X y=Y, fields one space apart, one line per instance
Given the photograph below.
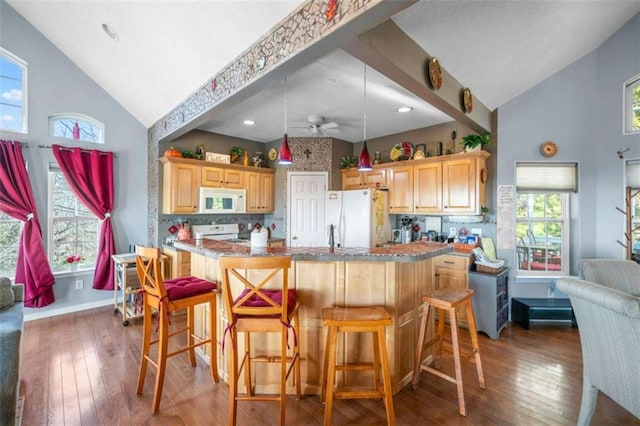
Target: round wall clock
x=273 y=154
x=435 y=73
x=549 y=149
x=467 y=100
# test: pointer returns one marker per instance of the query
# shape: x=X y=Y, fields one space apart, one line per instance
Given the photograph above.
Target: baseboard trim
x=67 y=310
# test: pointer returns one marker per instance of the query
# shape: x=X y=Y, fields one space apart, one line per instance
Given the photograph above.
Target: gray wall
x=56 y=85
x=579 y=108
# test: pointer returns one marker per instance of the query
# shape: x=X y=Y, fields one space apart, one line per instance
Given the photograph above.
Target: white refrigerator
x=360 y=217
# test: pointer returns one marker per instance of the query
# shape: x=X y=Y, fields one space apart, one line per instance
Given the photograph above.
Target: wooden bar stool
x=166 y=297
x=357 y=320
x=448 y=301
x=258 y=299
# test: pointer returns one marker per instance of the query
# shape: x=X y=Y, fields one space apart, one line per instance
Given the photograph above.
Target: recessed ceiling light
x=249 y=122
x=404 y=109
x=113 y=35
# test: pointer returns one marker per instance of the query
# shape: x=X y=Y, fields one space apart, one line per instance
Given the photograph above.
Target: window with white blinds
x=547 y=177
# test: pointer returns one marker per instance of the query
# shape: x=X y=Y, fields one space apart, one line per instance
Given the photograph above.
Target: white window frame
x=77 y=118
x=565 y=257
x=627 y=107
x=5 y=54
x=51 y=220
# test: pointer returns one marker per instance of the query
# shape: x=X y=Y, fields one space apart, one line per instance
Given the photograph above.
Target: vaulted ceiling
x=165 y=50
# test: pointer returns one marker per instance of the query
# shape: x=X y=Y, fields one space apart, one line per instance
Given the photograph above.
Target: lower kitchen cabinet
x=490 y=301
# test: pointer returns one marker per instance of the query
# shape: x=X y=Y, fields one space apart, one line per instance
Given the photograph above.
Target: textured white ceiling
x=167 y=49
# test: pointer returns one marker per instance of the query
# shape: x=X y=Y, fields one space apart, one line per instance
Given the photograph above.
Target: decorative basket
x=488 y=269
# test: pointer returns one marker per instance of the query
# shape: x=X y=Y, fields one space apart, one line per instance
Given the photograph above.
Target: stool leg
x=331 y=371
x=296 y=354
x=456 y=359
x=376 y=362
x=418 y=361
x=163 y=343
x=438 y=353
x=386 y=376
x=146 y=344
x=246 y=363
x=213 y=345
x=325 y=369
x=283 y=375
x=190 y=339
x=233 y=376
x=474 y=342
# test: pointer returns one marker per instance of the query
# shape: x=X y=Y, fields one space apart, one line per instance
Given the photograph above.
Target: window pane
x=12 y=93
x=76 y=127
x=636 y=109
x=64 y=201
x=9 y=241
x=554 y=206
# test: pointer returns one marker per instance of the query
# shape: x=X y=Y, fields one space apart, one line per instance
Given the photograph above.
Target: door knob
x=294 y=238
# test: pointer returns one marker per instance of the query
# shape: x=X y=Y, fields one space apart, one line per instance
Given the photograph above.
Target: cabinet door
x=428 y=188
x=212 y=177
x=400 y=180
x=459 y=186
x=267 y=192
x=180 y=183
x=351 y=179
x=376 y=178
x=234 y=179
x=253 y=192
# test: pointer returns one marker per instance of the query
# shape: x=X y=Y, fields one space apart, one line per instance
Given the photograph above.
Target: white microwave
x=222 y=201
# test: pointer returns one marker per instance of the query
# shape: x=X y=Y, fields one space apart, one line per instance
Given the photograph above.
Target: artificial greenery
x=236 y=150
x=472 y=141
x=348 y=162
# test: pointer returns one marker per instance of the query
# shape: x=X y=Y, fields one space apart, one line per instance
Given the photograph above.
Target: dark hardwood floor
x=81 y=369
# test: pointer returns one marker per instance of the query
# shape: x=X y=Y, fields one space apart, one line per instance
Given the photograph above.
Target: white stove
x=227 y=232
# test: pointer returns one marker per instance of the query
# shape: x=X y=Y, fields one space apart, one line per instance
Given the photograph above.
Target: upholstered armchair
x=607 y=310
x=11 y=325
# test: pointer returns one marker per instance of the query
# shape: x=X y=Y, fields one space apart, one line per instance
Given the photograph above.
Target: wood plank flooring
x=81 y=369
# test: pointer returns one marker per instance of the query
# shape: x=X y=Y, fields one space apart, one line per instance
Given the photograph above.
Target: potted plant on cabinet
x=236 y=153
x=475 y=142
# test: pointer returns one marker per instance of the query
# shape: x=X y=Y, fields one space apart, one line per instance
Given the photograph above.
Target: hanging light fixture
x=364 y=161
x=284 y=156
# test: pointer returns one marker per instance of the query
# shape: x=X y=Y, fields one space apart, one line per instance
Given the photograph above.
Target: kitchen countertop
x=410 y=252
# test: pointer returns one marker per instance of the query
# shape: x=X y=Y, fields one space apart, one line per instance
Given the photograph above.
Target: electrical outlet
x=79 y=284
x=249 y=226
x=452 y=231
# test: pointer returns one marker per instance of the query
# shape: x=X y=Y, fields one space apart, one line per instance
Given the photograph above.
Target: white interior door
x=306 y=196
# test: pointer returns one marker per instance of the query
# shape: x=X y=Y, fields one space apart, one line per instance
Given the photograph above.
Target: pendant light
x=364 y=161
x=284 y=156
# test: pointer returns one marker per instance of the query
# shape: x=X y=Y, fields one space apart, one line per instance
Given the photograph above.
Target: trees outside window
x=73 y=229
x=13 y=93
x=632 y=105
x=10 y=230
x=77 y=127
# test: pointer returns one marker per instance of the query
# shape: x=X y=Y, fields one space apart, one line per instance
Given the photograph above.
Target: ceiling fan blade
x=330 y=125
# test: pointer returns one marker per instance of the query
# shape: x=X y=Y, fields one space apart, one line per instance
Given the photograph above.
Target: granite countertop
x=411 y=252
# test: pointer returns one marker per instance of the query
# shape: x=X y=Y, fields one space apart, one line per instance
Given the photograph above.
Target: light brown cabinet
x=461 y=186
x=400 y=183
x=180 y=185
x=178 y=263
x=217 y=177
x=427 y=193
x=354 y=179
x=452 y=272
x=260 y=194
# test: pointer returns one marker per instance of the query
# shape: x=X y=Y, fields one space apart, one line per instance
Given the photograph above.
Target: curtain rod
x=71 y=149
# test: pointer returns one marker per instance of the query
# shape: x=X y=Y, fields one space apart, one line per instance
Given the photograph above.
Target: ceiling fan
x=318 y=126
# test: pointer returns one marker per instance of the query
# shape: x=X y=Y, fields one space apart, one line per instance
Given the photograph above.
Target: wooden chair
x=357 y=320
x=258 y=299
x=166 y=297
x=448 y=301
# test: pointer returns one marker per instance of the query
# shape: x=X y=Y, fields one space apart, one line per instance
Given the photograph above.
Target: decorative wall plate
x=467 y=100
x=549 y=149
x=435 y=73
x=273 y=154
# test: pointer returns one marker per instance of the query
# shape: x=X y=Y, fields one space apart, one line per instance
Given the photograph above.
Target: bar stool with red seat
x=258 y=299
x=166 y=297
x=448 y=301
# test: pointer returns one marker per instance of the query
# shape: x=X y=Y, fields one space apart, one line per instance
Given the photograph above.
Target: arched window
x=13 y=93
x=632 y=105
x=77 y=127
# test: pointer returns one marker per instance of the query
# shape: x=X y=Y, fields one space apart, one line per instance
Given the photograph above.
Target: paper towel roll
x=259 y=239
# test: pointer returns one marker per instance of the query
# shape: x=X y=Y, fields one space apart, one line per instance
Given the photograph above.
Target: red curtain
x=16 y=200
x=89 y=174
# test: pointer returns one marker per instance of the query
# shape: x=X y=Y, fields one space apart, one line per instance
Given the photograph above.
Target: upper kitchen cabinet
x=218 y=177
x=427 y=194
x=400 y=183
x=464 y=184
x=354 y=179
x=260 y=190
x=180 y=185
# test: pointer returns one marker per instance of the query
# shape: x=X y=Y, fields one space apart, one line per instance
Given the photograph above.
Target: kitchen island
x=395 y=277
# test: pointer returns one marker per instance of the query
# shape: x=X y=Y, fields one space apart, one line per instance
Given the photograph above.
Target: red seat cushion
x=180 y=288
x=256 y=301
